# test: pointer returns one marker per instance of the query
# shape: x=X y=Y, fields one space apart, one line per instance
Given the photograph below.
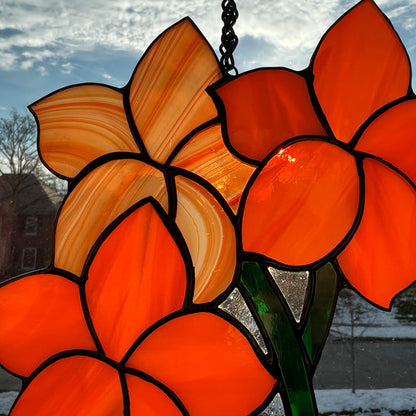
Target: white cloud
x=67 y=68
x=55 y=30
x=42 y=70
x=128 y=25
x=37 y=54
x=59 y=42
x=7 y=60
x=25 y=65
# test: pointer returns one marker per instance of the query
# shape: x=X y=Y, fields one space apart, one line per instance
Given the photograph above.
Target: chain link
x=229 y=39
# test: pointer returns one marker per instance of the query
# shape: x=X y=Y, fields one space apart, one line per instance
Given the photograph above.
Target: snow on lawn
x=6 y=401
x=384 y=402
x=371 y=322
x=393 y=332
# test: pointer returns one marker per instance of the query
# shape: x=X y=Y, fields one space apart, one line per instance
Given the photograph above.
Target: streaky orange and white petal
x=99 y=198
x=380 y=259
x=80 y=123
x=207 y=156
x=41 y=315
x=167 y=91
x=210 y=237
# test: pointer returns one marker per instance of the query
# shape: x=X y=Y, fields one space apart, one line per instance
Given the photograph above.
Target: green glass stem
x=321 y=312
x=285 y=343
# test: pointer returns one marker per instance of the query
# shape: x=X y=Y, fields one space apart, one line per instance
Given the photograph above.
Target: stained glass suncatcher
x=196 y=197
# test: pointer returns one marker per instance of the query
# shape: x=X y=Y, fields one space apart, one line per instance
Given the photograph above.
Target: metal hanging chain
x=229 y=39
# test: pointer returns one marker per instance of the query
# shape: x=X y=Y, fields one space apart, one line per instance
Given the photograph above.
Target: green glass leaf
x=321 y=311
x=286 y=345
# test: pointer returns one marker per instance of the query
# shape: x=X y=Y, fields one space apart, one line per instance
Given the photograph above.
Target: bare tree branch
x=19 y=155
x=18 y=152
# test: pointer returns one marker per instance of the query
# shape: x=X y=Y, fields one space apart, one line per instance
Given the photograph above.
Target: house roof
x=27 y=194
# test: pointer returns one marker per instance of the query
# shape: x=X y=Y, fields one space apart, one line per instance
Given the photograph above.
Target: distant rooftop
x=29 y=194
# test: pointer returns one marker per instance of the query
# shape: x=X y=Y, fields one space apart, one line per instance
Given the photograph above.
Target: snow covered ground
x=6 y=401
x=371 y=322
x=385 y=402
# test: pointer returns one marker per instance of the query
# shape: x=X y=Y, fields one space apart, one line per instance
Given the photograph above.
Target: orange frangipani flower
x=335 y=146
x=119 y=146
x=120 y=339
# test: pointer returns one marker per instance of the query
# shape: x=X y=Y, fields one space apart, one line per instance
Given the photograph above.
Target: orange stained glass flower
x=336 y=155
x=119 y=339
x=119 y=146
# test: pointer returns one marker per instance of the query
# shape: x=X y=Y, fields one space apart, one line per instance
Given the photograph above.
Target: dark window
x=31 y=225
x=29 y=258
x=2 y=252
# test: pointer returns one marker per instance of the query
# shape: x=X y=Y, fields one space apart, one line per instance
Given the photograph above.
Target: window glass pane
x=31 y=225
x=2 y=253
x=29 y=258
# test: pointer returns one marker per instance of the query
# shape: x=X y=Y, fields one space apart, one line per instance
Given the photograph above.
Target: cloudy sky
x=48 y=44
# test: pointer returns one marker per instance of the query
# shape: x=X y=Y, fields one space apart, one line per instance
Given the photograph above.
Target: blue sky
x=46 y=45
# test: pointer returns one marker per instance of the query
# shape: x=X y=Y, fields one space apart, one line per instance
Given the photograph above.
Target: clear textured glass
x=236 y=306
x=293 y=286
x=275 y=407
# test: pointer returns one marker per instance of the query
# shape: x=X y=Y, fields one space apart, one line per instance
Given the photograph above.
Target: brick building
x=27 y=217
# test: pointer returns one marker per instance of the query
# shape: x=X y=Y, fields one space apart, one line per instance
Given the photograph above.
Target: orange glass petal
x=79 y=124
x=266 y=107
x=380 y=260
x=302 y=204
x=392 y=136
x=74 y=386
x=41 y=315
x=360 y=65
x=210 y=237
x=208 y=363
x=136 y=278
x=148 y=400
x=167 y=94
x=96 y=201
x=206 y=155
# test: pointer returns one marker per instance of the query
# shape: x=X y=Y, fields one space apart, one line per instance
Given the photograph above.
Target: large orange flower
x=335 y=145
x=119 y=339
x=118 y=146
